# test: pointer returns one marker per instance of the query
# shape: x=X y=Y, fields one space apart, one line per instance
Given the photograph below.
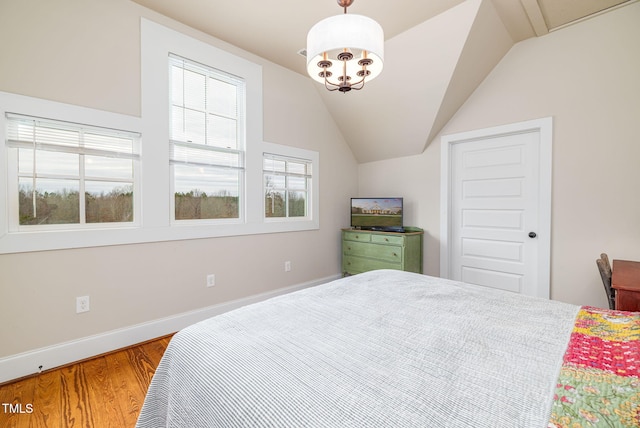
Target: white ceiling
x=439 y=49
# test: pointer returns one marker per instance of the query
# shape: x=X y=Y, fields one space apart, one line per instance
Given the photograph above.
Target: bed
x=396 y=349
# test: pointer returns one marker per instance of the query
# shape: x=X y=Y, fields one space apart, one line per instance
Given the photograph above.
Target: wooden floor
x=107 y=391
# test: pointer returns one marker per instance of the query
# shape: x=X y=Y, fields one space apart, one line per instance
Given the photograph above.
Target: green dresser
x=364 y=250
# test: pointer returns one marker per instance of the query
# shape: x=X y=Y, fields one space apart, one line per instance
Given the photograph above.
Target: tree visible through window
x=207 y=141
x=70 y=173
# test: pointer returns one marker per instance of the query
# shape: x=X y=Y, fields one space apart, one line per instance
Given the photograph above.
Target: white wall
x=586 y=77
x=88 y=53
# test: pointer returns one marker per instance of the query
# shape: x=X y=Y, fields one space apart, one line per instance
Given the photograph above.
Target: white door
x=498 y=203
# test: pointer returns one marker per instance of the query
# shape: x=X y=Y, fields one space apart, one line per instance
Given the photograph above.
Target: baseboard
x=31 y=362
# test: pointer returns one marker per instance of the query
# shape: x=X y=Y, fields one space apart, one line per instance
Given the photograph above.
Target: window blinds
x=58 y=136
x=207 y=116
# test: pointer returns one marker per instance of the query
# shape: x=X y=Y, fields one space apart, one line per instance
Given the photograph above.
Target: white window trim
x=40 y=240
x=156 y=43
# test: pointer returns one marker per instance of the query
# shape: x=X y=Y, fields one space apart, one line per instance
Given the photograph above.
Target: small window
x=287 y=186
x=65 y=174
x=207 y=141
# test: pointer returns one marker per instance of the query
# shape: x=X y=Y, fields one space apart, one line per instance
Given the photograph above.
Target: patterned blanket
x=599 y=384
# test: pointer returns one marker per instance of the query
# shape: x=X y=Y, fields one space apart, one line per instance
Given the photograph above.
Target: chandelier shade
x=344 y=51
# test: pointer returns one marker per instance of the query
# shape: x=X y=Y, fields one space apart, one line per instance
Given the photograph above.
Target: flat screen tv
x=377 y=214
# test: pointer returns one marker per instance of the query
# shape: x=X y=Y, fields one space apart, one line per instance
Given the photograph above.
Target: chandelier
x=345 y=51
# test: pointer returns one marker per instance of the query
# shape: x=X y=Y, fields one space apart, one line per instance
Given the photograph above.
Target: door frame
x=545 y=128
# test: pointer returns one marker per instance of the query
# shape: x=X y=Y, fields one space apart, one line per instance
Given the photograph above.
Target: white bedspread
x=379 y=349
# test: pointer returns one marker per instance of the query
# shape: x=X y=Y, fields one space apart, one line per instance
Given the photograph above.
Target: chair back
x=605 y=273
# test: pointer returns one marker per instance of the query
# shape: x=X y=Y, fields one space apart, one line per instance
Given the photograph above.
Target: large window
x=287 y=186
x=190 y=166
x=207 y=141
x=66 y=175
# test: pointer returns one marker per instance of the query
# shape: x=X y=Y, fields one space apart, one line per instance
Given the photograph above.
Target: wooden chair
x=605 y=273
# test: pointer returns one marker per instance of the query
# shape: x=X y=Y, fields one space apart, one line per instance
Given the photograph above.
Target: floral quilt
x=599 y=382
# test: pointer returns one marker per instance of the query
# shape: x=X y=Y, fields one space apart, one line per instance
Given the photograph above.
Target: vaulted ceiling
x=436 y=54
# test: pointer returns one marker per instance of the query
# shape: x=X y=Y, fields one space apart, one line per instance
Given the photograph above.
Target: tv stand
x=365 y=250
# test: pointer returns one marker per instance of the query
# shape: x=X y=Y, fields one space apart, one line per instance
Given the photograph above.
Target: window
x=200 y=151
x=207 y=142
x=66 y=175
x=287 y=186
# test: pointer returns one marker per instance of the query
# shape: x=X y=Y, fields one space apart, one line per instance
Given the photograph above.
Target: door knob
x=532 y=235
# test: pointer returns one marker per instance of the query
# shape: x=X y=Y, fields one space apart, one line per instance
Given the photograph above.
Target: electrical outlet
x=211 y=280
x=82 y=304
x=287 y=266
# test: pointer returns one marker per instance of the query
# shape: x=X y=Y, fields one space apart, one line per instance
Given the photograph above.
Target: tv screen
x=377 y=213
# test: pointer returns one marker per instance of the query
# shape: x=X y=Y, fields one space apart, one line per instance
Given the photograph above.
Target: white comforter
x=379 y=349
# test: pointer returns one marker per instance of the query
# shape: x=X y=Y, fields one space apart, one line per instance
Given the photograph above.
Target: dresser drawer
x=354 y=265
x=357 y=236
x=392 y=253
x=387 y=239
